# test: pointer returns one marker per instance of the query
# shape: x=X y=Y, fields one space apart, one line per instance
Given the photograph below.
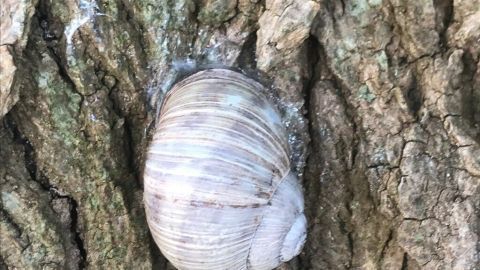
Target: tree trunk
x=381 y=99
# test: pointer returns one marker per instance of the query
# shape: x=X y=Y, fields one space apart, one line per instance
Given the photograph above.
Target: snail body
x=218 y=189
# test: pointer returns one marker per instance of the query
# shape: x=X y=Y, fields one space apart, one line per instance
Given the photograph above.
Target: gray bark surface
x=381 y=99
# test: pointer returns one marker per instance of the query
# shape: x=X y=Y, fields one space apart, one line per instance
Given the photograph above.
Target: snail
x=218 y=189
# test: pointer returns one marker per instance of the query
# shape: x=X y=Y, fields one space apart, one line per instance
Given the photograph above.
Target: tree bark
x=381 y=99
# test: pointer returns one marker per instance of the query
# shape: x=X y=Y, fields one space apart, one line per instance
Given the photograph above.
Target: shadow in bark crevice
x=470 y=98
x=443 y=18
x=247 y=59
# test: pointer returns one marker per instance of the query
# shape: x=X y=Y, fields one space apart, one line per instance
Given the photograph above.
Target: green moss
x=350 y=43
x=93 y=204
x=354 y=205
x=35 y=238
x=418 y=238
x=382 y=60
x=80 y=155
x=159 y=14
x=340 y=53
x=151 y=11
x=58 y=9
x=117 y=252
x=122 y=40
x=359 y=7
x=365 y=94
x=117 y=202
x=10 y=202
x=374 y=3
x=217 y=12
x=63 y=104
x=110 y=8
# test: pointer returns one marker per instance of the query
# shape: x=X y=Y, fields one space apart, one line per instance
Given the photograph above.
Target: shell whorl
x=282 y=233
x=215 y=164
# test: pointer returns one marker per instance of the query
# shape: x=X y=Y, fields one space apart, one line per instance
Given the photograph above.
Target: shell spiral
x=219 y=193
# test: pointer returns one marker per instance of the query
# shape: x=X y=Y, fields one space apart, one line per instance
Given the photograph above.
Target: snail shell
x=219 y=193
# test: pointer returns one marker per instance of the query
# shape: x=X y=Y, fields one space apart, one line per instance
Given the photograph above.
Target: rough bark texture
x=381 y=100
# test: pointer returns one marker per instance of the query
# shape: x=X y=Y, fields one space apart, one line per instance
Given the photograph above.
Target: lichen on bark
x=380 y=99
